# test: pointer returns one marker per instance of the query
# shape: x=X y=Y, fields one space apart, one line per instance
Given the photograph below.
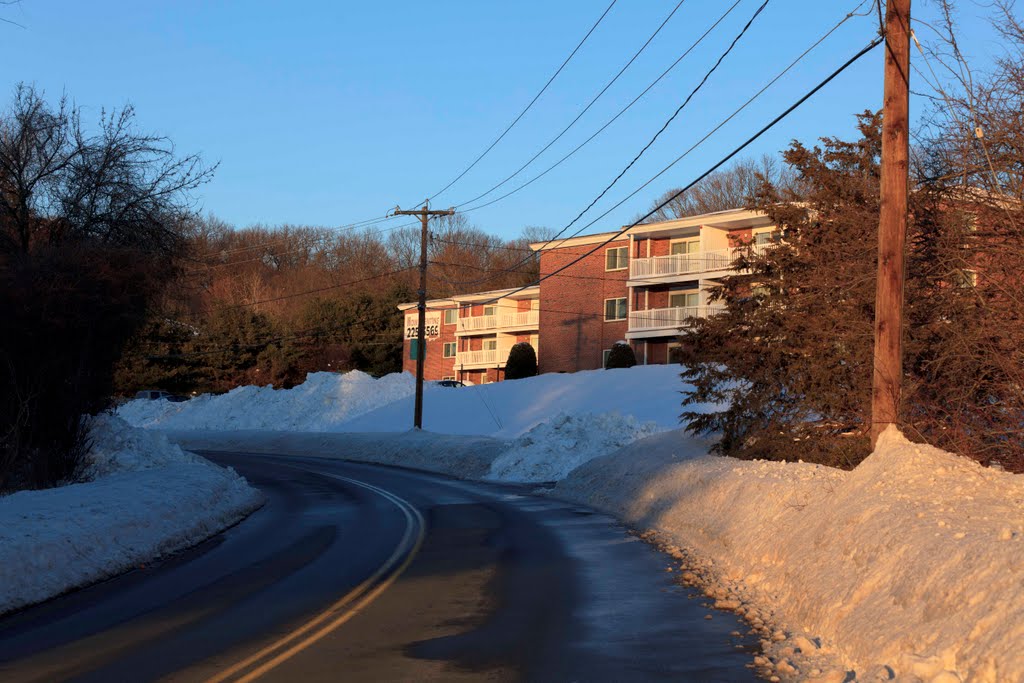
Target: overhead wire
x=618 y=234
x=722 y=123
x=585 y=109
x=657 y=134
x=528 y=106
x=610 y=121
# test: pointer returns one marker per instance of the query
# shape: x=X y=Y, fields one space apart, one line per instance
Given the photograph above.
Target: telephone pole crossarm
x=425 y=214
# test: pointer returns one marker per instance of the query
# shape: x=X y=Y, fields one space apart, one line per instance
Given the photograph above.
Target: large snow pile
x=145 y=498
x=911 y=566
x=356 y=402
x=323 y=403
x=552 y=449
x=508 y=409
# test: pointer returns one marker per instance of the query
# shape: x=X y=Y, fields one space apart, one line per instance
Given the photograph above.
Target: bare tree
x=115 y=186
x=733 y=188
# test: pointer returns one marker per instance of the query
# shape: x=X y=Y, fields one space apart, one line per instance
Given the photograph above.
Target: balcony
x=666 y=267
x=517 y=320
x=487 y=357
x=666 y=320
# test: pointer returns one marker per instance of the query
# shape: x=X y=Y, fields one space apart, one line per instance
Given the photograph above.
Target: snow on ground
x=909 y=568
x=356 y=402
x=552 y=449
x=581 y=416
x=144 y=498
x=322 y=403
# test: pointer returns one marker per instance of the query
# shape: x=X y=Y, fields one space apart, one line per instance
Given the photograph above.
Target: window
x=614 y=309
x=448 y=379
x=490 y=344
x=449 y=349
x=764 y=237
x=604 y=357
x=691 y=246
x=450 y=316
x=490 y=310
x=616 y=258
x=683 y=299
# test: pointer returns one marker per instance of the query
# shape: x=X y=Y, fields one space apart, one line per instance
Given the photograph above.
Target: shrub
x=621 y=356
x=522 y=362
x=67 y=315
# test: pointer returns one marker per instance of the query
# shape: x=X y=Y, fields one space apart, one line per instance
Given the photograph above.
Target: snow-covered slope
x=145 y=498
x=913 y=563
x=356 y=402
x=323 y=403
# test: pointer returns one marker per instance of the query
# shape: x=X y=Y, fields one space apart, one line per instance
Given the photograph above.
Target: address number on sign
x=431 y=330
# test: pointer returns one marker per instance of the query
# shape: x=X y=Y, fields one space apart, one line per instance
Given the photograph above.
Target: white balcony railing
x=522 y=320
x=669 y=318
x=478 y=322
x=488 y=356
x=681 y=264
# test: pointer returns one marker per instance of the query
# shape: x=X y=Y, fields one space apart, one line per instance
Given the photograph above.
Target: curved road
x=355 y=572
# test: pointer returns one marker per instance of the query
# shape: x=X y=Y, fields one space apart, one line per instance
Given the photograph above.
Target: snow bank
x=552 y=449
x=145 y=498
x=323 y=403
x=356 y=402
x=910 y=567
x=509 y=409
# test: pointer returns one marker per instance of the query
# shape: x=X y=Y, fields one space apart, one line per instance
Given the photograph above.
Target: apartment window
x=691 y=246
x=616 y=258
x=490 y=310
x=490 y=344
x=683 y=299
x=604 y=357
x=763 y=237
x=614 y=309
x=449 y=349
x=451 y=315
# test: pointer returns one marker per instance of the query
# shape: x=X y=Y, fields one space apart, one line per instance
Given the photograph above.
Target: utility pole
x=892 y=222
x=421 y=343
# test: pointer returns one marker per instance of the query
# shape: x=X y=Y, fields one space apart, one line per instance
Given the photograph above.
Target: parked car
x=450 y=383
x=156 y=394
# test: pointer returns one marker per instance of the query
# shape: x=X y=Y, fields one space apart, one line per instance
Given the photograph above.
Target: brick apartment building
x=640 y=287
x=468 y=337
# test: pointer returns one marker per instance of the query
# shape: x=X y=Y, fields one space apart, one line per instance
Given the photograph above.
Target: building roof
x=730 y=218
x=514 y=293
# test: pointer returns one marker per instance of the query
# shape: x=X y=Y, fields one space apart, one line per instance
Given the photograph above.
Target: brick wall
x=436 y=366
x=572 y=326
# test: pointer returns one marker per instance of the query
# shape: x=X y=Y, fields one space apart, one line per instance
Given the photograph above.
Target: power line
x=610 y=121
x=534 y=100
x=650 y=142
x=722 y=123
x=585 y=109
x=314 y=291
x=618 y=235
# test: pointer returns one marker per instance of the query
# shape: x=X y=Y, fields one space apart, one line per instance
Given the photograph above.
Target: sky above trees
x=327 y=113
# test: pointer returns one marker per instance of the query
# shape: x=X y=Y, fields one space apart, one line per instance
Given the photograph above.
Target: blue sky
x=325 y=113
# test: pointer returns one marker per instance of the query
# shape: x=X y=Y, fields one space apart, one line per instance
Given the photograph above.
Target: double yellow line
x=344 y=609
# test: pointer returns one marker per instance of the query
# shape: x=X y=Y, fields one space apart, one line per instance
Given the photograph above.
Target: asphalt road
x=352 y=572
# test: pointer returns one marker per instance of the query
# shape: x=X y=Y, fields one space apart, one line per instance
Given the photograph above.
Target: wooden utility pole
x=892 y=223
x=421 y=343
